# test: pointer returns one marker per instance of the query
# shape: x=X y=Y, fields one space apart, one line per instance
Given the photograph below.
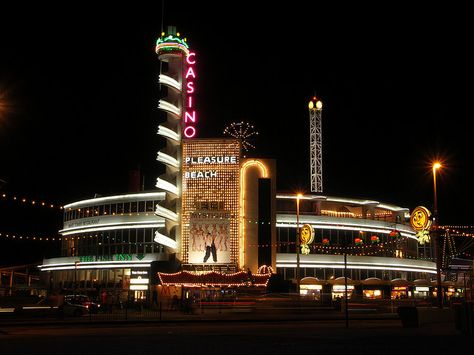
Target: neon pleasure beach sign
x=189 y=129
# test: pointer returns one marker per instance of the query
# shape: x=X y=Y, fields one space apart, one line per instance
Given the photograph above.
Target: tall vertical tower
x=173 y=52
x=316 y=144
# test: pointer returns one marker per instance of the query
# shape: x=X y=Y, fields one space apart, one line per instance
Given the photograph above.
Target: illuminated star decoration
x=244 y=132
x=305 y=249
x=423 y=236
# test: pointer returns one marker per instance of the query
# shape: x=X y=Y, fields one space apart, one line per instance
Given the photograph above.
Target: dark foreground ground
x=246 y=337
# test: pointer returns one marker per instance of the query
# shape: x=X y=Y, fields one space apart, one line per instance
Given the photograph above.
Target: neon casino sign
x=189 y=129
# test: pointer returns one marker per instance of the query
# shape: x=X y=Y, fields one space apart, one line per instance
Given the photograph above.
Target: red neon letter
x=190 y=72
x=189 y=132
x=190 y=101
x=190 y=86
x=188 y=58
x=192 y=117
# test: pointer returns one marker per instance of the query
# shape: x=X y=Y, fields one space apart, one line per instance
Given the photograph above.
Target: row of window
x=361 y=274
x=332 y=241
x=125 y=241
x=111 y=209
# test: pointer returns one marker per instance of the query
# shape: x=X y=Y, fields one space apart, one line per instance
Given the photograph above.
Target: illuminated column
x=210 y=201
x=253 y=238
x=173 y=52
x=316 y=144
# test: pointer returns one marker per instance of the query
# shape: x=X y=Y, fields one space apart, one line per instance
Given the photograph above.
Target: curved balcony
x=169 y=134
x=170 y=82
x=168 y=160
x=168 y=107
x=167 y=186
x=165 y=240
x=166 y=213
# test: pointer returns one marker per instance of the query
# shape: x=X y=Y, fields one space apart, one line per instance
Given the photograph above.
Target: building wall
x=252 y=171
x=210 y=195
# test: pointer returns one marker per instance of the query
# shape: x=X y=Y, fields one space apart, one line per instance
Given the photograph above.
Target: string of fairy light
x=454 y=230
x=30 y=201
x=29 y=238
x=359 y=248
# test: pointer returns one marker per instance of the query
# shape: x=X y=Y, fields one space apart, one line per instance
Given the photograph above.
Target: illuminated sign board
x=422 y=289
x=206 y=160
x=211 y=160
x=311 y=287
x=342 y=288
x=420 y=219
x=306 y=238
x=210 y=201
x=209 y=238
x=139 y=280
x=114 y=257
x=189 y=129
x=200 y=174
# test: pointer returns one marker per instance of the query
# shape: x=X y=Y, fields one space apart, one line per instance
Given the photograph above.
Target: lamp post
x=298 y=196
x=346 y=306
x=434 y=227
x=75 y=277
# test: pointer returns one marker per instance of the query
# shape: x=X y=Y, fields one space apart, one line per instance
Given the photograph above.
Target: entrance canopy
x=213 y=278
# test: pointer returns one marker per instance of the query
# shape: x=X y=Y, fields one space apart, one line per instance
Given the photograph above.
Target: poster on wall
x=209 y=241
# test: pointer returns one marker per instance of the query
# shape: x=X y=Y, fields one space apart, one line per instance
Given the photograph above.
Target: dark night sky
x=81 y=85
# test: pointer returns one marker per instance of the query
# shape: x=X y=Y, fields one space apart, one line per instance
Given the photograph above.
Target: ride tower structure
x=316 y=144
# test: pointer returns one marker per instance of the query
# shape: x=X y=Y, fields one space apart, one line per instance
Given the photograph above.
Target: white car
x=46 y=307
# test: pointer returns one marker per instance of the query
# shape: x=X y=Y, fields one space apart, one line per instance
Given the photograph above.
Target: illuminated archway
x=243 y=181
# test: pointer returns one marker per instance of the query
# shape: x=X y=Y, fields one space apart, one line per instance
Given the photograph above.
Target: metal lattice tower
x=316 y=144
x=449 y=250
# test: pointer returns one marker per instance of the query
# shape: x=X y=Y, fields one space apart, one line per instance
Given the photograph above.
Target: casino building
x=217 y=222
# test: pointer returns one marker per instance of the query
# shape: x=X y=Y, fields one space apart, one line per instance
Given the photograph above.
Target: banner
x=209 y=241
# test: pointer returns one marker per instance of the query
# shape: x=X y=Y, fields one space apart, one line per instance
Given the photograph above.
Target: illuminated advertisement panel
x=210 y=201
x=209 y=238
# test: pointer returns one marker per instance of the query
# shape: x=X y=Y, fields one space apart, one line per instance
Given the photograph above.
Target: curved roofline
x=356 y=224
x=116 y=198
x=354 y=201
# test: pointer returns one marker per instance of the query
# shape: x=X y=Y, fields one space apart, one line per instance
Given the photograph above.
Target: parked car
x=75 y=310
x=48 y=307
x=83 y=300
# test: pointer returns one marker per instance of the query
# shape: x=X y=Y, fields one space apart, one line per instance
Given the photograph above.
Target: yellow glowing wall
x=211 y=188
x=251 y=171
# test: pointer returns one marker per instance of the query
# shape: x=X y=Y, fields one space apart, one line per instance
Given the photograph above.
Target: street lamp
x=439 y=294
x=346 y=305
x=436 y=165
x=298 y=197
x=75 y=277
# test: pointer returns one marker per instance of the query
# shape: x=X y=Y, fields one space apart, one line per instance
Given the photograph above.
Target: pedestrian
x=103 y=301
x=110 y=303
x=174 y=303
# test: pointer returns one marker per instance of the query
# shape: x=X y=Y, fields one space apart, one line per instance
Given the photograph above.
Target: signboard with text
x=210 y=207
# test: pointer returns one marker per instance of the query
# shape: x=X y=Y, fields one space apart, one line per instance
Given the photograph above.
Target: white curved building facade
x=208 y=192
x=379 y=242
x=105 y=240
